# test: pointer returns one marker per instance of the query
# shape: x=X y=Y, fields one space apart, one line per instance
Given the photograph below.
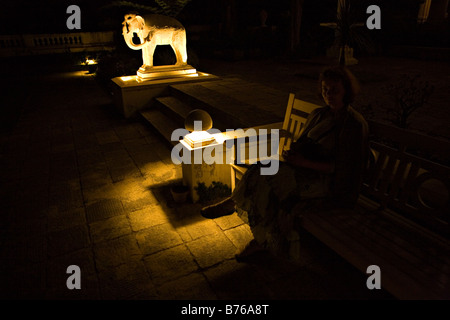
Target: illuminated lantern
x=197 y=122
x=198 y=115
x=92 y=65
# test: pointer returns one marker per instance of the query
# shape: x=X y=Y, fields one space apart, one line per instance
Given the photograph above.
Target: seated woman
x=322 y=169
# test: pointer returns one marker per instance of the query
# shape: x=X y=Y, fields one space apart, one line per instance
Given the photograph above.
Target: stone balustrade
x=32 y=44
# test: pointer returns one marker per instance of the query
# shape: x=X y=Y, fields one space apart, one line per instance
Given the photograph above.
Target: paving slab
x=56 y=276
x=193 y=286
x=235 y=281
x=115 y=252
x=110 y=228
x=240 y=236
x=147 y=217
x=212 y=249
x=158 y=238
x=67 y=240
x=104 y=209
x=228 y=222
x=58 y=221
x=170 y=264
x=25 y=283
x=125 y=281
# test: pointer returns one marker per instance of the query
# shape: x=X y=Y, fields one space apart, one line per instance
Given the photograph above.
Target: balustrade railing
x=31 y=44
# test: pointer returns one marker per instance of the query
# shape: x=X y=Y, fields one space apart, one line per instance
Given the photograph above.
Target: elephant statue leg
x=179 y=47
x=147 y=54
x=183 y=53
x=177 y=54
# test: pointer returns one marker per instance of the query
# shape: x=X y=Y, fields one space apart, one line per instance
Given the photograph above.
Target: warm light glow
x=220 y=138
x=90 y=61
x=127 y=78
x=198 y=138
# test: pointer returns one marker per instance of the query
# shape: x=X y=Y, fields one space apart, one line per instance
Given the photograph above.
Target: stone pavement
x=82 y=186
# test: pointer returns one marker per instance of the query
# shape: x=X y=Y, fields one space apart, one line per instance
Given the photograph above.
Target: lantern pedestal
x=198 y=172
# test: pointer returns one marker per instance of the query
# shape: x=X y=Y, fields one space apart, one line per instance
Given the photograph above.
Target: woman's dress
x=263 y=201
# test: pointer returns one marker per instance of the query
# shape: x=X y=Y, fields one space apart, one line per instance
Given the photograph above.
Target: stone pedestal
x=198 y=171
x=132 y=93
x=146 y=73
x=194 y=174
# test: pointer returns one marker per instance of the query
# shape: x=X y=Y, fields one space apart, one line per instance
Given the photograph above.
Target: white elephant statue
x=153 y=30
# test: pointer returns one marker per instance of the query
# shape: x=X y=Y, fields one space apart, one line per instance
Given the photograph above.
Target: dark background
x=230 y=19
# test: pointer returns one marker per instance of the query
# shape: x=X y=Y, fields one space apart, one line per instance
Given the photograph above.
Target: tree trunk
x=342 y=60
x=296 y=21
x=230 y=18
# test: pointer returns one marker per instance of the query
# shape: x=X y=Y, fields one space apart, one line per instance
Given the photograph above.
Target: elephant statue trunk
x=128 y=36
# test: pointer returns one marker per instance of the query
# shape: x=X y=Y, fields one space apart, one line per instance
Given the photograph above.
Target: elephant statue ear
x=141 y=22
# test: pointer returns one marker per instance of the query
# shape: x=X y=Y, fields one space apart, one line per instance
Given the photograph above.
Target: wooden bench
x=401 y=221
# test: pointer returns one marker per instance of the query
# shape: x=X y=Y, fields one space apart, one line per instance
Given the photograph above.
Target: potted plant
x=179 y=193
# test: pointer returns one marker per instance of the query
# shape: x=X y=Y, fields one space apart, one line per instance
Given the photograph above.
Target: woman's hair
x=341 y=73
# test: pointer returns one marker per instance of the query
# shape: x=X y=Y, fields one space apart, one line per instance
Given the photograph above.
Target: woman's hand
x=294 y=158
x=298 y=160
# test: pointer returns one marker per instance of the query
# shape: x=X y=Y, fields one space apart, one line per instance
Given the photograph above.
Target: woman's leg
x=241 y=194
x=266 y=200
x=220 y=209
x=253 y=247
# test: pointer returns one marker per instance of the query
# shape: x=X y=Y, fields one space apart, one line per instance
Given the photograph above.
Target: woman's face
x=333 y=93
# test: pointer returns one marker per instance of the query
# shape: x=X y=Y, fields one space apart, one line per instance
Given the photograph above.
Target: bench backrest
x=412 y=185
x=395 y=177
x=297 y=111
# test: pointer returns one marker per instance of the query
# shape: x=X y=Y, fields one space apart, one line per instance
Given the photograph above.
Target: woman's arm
x=299 y=160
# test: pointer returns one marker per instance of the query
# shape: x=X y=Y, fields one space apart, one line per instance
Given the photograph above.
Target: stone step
x=226 y=112
x=170 y=111
x=174 y=109
x=161 y=123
